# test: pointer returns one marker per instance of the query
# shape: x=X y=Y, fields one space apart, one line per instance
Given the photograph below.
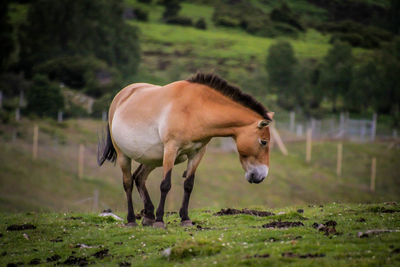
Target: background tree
x=360 y=95
x=44 y=98
x=6 y=40
x=387 y=93
x=336 y=72
x=393 y=18
x=280 y=65
x=172 y=8
x=80 y=27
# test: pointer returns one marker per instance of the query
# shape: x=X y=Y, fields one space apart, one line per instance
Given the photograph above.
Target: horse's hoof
x=147 y=221
x=159 y=225
x=186 y=223
x=131 y=224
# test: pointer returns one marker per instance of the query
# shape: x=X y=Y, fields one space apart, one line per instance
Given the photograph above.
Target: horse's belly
x=141 y=143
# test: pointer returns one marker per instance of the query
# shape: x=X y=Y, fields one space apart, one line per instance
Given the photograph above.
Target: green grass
x=221 y=240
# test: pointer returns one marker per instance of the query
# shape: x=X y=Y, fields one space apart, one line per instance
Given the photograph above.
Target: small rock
x=83 y=246
x=109 y=214
x=374 y=232
x=166 y=252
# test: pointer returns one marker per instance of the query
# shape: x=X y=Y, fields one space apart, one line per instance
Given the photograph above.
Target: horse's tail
x=105 y=148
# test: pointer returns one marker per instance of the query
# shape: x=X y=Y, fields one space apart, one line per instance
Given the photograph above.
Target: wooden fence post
x=277 y=138
x=339 y=159
x=35 y=141
x=81 y=160
x=17 y=114
x=299 y=130
x=373 y=127
x=308 y=145
x=60 y=116
x=373 y=174
x=292 y=121
x=104 y=116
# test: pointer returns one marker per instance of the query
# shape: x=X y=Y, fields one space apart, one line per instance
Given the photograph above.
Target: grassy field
x=171 y=52
x=329 y=235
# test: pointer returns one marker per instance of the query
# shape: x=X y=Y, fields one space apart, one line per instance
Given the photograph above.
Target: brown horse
x=165 y=125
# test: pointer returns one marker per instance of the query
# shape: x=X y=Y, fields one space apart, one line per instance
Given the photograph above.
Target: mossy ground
x=215 y=240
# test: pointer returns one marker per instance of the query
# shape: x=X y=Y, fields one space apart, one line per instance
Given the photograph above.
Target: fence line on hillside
x=343 y=127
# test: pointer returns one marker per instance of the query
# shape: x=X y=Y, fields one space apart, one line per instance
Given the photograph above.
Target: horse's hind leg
x=125 y=164
x=188 y=186
x=140 y=177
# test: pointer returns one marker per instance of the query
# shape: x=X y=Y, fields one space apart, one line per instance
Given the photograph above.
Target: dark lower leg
x=164 y=188
x=128 y=191
x=148 y=205
x=188 y=187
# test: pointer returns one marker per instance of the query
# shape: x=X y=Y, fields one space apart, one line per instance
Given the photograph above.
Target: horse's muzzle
x=257 y=174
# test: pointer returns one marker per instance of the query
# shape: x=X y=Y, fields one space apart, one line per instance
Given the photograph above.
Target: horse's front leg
x=170 y=151
x=188 y=186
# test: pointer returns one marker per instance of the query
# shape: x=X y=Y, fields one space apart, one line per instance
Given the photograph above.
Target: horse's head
x=253 y=147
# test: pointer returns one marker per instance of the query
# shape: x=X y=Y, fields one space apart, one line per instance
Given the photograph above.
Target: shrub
x=44 y=98
x=179 y=20
x=353 y=39
x=285 y=15
x=201 y=24
x=141 y=14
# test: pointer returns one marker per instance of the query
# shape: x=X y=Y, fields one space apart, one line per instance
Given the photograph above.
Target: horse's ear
x=271 y=114
x=263 y=123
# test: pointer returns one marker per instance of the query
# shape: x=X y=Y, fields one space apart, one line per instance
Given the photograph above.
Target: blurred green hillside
x=163 y=41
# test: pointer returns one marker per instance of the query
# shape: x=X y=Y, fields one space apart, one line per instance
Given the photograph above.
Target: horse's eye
x=263 y=142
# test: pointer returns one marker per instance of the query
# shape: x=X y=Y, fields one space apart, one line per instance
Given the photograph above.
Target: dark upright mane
x=233 y=92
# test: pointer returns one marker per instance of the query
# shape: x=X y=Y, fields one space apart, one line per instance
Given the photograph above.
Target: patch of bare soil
x=302 y=256
x=56 y=240
x=74 y=218
x=328 y=227
x=55 y=257
x=35 y=261
x=72 y=260
x=101 y=254
x=280 y=224
x=19 y=227
x=230 y=211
